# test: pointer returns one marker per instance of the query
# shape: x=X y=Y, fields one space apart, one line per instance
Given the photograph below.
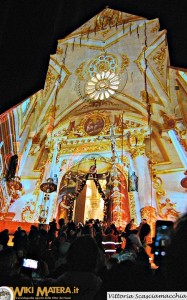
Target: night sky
x=29 y=30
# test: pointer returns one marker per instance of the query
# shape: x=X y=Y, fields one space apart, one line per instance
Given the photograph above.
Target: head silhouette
x=83 y=254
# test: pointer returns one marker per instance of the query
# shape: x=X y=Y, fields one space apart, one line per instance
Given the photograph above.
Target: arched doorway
x=94 y=204
x=90 y=182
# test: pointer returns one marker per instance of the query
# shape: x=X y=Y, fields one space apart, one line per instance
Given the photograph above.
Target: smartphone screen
x=164 y=231
x=30 y=263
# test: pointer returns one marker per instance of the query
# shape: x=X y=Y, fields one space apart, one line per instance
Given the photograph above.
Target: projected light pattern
x=102 y=86
x=135 y=119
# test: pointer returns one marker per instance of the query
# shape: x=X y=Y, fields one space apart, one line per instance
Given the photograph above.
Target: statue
x=63 y=208
x=12 y=167
x=131 y=139
x=133 y=183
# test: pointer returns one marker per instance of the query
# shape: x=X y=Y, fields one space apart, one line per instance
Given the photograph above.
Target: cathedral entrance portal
x=91 y=192
x=86 y=184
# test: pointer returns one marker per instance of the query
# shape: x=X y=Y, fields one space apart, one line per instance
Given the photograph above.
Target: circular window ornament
x=102 y=86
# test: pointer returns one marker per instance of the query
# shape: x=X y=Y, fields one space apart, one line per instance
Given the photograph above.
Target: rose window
x=102 y=86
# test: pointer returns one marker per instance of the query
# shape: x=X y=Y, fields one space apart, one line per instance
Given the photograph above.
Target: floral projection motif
x=102 y=86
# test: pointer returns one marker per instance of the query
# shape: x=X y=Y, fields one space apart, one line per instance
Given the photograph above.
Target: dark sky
x=29 y=30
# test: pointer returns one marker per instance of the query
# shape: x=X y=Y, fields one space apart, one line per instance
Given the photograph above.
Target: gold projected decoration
x=125 y=62
x=158 y=186
x=138 y=60
x=79 y=71
x=43 y=213
x=132 y=207
x=136 y=142
x=94 y=125
x=105 y=32
x=159 y=58
x=137 y=151
x=108 y=18
x=147 y=97
x=102 y=77
x=167 y=210
x=116 y=196
x=169 y=121
x=59 y=51
x=157 y=181
x=49 y=79
x=102 y=63
x=155 y=28
x=14 y=183
x=28 y=211
x=85 y=147
x=182 y=134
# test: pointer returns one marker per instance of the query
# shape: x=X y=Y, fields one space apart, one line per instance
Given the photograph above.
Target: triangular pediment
x=106 y=19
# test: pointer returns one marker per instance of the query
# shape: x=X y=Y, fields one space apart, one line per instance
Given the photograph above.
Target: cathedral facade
x=106 y=137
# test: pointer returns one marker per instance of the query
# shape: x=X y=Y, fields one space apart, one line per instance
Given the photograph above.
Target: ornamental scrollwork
x=50 y=77
x=79 y=71
x=125 y=62
x=159 y=59
x=132 y=207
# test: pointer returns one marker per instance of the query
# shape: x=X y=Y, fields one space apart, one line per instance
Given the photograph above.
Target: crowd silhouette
x=94 y=257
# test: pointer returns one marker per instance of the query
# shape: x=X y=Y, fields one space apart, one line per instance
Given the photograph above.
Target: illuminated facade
x=109 y=128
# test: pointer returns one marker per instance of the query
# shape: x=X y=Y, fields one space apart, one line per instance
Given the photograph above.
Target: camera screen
x=30 y=263
x=162 y=238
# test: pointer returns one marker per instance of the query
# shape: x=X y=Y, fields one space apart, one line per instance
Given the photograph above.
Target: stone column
x=144 y=181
